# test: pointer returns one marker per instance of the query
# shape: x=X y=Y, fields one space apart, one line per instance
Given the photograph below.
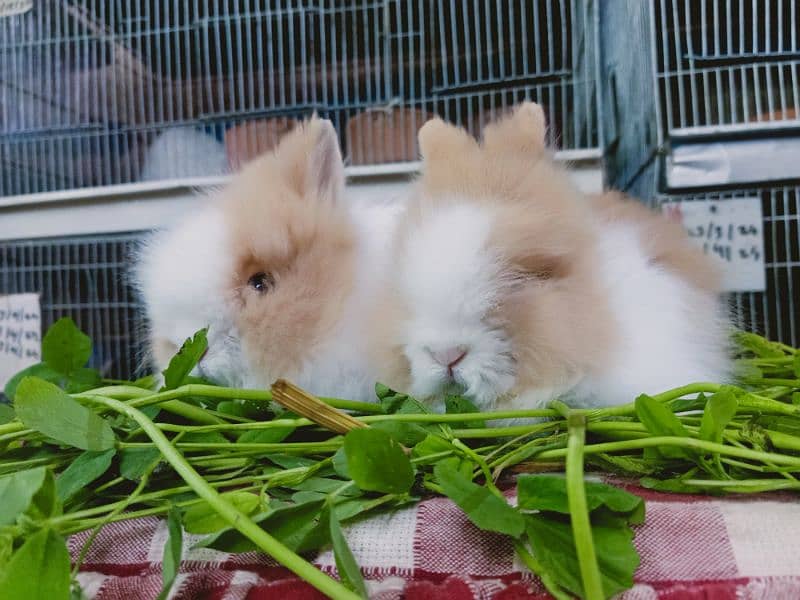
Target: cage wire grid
x=98 y=93
x=735 y=64
x=101 y=93
x=729 y=65
x=83 y=277
x=726 y=62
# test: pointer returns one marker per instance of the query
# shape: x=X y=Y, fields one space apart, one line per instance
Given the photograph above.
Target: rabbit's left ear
x=310 y=162
x=523 y=131
x=441 y=141
x=325 y=169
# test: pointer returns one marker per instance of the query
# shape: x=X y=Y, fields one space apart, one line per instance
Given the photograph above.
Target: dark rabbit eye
x=261 y=282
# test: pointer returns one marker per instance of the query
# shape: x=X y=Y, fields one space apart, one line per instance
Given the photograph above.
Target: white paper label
x=14 y=7
x=732 y=232
x=20 y=334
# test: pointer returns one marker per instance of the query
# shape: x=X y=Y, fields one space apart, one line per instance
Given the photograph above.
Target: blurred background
x=113 y=113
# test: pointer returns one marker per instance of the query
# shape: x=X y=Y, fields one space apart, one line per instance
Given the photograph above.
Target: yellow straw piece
x=304 y=404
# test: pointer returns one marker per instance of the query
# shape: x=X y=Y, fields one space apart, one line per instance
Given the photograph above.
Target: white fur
x=184 y=152
x=183 y=273
x=180 y=275
x=669 y=334
x=341 y=366
x=450 y=278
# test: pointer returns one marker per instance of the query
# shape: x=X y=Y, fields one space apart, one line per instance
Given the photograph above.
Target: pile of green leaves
x=78 y=452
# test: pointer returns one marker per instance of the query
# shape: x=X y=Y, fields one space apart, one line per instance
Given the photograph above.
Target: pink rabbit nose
x=450 y=357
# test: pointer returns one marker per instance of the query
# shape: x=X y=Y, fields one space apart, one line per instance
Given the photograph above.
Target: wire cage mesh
x=82 y=277
x=729 y=65
x=727 y=62
x=773 y=312
x=99 y=93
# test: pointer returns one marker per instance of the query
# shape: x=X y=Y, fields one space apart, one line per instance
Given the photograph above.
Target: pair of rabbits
x=496 y=277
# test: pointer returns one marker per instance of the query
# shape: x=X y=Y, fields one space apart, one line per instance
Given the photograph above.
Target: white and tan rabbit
x=280 y=267
x=514 y=287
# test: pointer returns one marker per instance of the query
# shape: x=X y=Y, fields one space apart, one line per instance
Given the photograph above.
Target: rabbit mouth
x=482 y=384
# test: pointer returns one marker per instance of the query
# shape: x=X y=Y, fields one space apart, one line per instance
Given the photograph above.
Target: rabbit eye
x=261 y=282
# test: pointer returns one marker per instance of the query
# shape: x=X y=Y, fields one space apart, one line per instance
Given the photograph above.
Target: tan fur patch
x=519 y=133
x=281 y=223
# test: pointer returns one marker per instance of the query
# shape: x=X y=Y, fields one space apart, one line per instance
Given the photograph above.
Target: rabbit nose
x=450 y=357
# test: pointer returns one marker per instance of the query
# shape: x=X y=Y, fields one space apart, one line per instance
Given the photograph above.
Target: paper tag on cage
x=20 y=334
x=14 y=7
x=732 y=232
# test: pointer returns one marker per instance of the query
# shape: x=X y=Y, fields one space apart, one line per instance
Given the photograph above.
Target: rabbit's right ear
x=441 y=141
x=522 y=131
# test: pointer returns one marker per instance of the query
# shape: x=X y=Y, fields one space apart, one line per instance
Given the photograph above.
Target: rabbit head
x=494 y=290
x=267 y=266
x=293 y=251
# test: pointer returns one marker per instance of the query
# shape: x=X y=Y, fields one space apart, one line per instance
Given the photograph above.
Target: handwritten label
x=20 y=334
x=14 y=7
x=732 y=232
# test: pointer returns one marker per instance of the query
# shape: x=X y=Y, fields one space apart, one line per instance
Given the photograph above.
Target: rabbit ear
x=440 y=140
x=308 y=159
x=523 y=131
x=324 y=178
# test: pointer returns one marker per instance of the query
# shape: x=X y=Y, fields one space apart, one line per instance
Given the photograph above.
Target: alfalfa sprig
x=36 y=401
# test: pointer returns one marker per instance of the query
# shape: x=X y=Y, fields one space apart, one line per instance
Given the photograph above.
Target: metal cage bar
x=726 y=69
x=775 y=312
x=103 y=93
x=83 y=277
x=727 y=62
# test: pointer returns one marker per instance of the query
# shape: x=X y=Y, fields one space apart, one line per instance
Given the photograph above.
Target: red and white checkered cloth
x=692 y=547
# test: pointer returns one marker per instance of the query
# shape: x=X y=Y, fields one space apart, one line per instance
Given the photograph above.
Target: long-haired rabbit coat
x=512 y=286
x=280 y=268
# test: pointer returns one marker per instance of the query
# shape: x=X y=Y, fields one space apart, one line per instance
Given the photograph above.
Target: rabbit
x=180 y=152
x=280 y=268
x=513 y=288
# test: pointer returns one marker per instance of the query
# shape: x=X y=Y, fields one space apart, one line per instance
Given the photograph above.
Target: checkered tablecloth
x=692 y=547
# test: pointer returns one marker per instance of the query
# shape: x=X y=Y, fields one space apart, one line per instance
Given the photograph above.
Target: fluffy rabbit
x=280 y=268
x=514 y=287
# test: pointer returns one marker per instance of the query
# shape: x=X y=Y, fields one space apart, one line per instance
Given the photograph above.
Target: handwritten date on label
x=20 y=334
x=732 y=232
